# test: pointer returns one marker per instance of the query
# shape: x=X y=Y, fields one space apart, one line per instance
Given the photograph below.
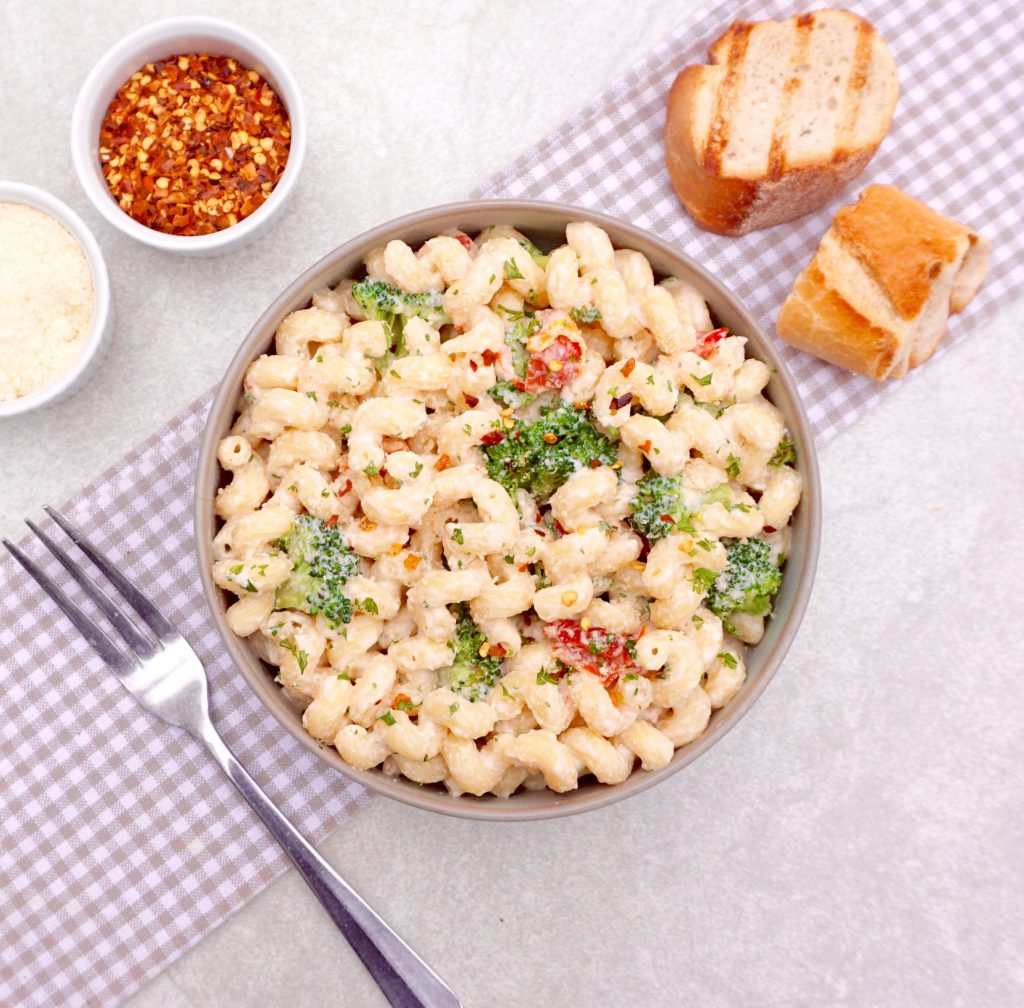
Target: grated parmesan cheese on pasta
x=46 y=300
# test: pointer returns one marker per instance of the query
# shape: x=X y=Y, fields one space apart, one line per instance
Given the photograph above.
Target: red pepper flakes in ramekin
x=193 y=144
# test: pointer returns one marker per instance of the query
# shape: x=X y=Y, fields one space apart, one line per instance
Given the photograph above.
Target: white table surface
x=856 y=840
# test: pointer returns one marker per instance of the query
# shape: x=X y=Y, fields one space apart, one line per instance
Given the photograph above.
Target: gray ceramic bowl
x=545 y=224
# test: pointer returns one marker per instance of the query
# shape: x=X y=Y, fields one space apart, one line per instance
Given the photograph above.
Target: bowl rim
x=99 y=325
x=490 y=808
x=93 y=92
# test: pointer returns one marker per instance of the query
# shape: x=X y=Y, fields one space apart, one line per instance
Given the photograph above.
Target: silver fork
x=166 y=677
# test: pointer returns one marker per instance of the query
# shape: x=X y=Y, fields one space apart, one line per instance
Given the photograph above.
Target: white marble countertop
x=855 y=841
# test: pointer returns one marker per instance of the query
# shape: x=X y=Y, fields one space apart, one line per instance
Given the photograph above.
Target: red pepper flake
x=348 y=487
x=627 y=368
x=463 y=239
x=706 y=341
x=193 y=144
x=623 y=400
x=488 y=357
x=472 y=364
x=471 y=400
x=595 y=463
x=769 y=529
x=497 y=651
x=492 y=437
x=442 y=463
x=520 y=385
x=333 y=520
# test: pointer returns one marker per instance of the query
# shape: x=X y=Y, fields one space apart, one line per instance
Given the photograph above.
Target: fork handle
x=406 y=980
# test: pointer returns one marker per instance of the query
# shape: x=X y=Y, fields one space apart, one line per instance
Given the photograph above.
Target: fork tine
x=137 y=641
x=123 y=664
x=152 y=616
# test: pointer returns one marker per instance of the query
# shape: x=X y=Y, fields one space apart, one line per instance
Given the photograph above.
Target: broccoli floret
x=507 y=394
x=469 y=674
x=749 y=580
x=541 y=456
x=321 y=564
x=658 y=507
x=392 y=306
x=519 y=327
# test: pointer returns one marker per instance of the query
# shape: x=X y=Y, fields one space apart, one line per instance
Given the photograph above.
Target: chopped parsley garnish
x=586 y=315
x=785 y=454
x=300 y=656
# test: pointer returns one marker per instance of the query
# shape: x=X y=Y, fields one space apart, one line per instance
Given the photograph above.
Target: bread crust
x=728 y=204
x=876 y=296
x=816 y=318
x=875 y=229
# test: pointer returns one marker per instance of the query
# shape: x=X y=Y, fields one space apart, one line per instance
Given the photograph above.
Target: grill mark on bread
x=863 y=54
x=777 y=151
x=728 y=91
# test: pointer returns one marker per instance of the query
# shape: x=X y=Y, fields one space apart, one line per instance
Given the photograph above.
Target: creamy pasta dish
x=503 y=518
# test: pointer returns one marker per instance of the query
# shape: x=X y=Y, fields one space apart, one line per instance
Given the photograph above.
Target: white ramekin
x=159 y=40
x=98 y=338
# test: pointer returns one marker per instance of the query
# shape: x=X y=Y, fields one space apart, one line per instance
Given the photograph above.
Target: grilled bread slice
x=785 y=116
x=877 y=295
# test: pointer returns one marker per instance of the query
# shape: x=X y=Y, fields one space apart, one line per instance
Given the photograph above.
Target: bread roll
x=787 y=114
x=876 y=297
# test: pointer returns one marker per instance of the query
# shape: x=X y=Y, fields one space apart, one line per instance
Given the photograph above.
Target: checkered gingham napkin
x=121 y=844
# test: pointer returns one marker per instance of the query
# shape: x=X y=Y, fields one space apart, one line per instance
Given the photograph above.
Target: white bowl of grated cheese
x=55 y=311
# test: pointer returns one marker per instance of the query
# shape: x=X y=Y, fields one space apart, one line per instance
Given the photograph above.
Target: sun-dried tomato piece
x=706 y=341
x=554 y=366
x=601 y=652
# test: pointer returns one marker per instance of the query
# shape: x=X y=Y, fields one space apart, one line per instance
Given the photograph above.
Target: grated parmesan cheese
x=46 y=300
